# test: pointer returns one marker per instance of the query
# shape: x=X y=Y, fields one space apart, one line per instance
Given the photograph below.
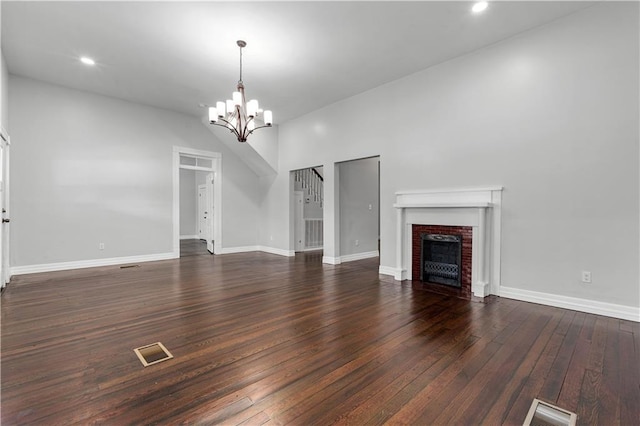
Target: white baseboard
x=349 y=257
x=397 y=274
x=280 y=252
x=387 y=270
x=583 y=305
x=272 y=250
x=92 y=263
x=188 y=237
x=244 y=249
x=359 y=256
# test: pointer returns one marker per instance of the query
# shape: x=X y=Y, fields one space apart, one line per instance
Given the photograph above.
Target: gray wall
x=96 y=169
x=188 y=203
x=551 y=115
x=4 y=94
x=358 y=190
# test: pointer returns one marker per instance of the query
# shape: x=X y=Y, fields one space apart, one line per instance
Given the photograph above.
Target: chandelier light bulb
x=268 y=118
x=220 y=107
x=213 y=115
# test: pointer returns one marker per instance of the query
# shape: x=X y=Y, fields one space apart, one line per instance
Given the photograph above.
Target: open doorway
x=308 y=202
x=5 y=274
x=358 y=202
x=196 y=213
x=196 y=201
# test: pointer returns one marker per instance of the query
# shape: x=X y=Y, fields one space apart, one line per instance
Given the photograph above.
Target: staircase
x=312 y=182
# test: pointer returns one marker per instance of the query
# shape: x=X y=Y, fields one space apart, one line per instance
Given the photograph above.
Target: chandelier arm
x=259 y=127
x=232 y=129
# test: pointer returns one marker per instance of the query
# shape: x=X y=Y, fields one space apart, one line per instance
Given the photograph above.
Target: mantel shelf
x=468 y=204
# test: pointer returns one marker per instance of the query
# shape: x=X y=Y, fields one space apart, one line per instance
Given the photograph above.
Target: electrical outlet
x=357 y=242
x=101 y=246
x=586 y=276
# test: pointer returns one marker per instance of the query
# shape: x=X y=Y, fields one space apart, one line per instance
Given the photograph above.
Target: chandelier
x=238 y=115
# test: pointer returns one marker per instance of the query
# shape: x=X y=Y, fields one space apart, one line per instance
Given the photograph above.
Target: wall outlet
x=357 y=242
x=101 y=246
x=586 y=276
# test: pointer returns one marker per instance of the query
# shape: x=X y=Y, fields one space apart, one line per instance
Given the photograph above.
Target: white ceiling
x=300 y=56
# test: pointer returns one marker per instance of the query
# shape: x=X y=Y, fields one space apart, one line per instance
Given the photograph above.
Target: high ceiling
x=300 y=56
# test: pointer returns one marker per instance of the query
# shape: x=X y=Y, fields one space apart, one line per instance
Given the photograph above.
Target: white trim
x=188 y=237
x=359 y=256
x=331 y=260
x=479 y=208
x=388 y=270
x=242 y=249
x=196 y=168
x=265 y=249
x=444 y=205
x=279 y=252
x=630 y=313
x=92 y=263
x=319 y=248
x=447 y=190
x=190 y=152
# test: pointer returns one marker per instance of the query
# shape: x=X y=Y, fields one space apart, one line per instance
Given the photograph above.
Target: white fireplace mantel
x=479 y=208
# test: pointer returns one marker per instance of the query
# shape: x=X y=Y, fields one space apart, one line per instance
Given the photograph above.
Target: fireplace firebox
x=441 y=259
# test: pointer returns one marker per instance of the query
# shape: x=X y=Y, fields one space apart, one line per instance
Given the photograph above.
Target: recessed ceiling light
x=87 y=61
x=479 y=6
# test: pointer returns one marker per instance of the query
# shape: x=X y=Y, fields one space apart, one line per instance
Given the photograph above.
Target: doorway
x=308 y=203
x=5 y=274
x=358 y=201
x=197 y=175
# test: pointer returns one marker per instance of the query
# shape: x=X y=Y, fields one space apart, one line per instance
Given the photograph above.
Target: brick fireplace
x=418 y=233
x=474 y=213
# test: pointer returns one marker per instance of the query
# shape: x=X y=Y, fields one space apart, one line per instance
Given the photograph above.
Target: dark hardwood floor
x=263 y=339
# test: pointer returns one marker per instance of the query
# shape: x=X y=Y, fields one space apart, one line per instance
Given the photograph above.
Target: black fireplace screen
x=441 y=258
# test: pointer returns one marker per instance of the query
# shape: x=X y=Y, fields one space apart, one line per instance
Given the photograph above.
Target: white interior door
x=202 y=212
x=4 y=209
x=299 y=220
x=209 y=212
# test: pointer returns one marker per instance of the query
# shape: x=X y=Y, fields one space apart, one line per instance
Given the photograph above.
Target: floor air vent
x=129 y=266
x=152 y=354
x=544 y=414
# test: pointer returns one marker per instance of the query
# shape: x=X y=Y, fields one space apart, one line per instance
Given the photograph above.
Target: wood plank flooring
x=263 y=339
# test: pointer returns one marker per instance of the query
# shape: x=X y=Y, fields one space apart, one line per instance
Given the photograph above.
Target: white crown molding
x=92 y=263
x=630 y=313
